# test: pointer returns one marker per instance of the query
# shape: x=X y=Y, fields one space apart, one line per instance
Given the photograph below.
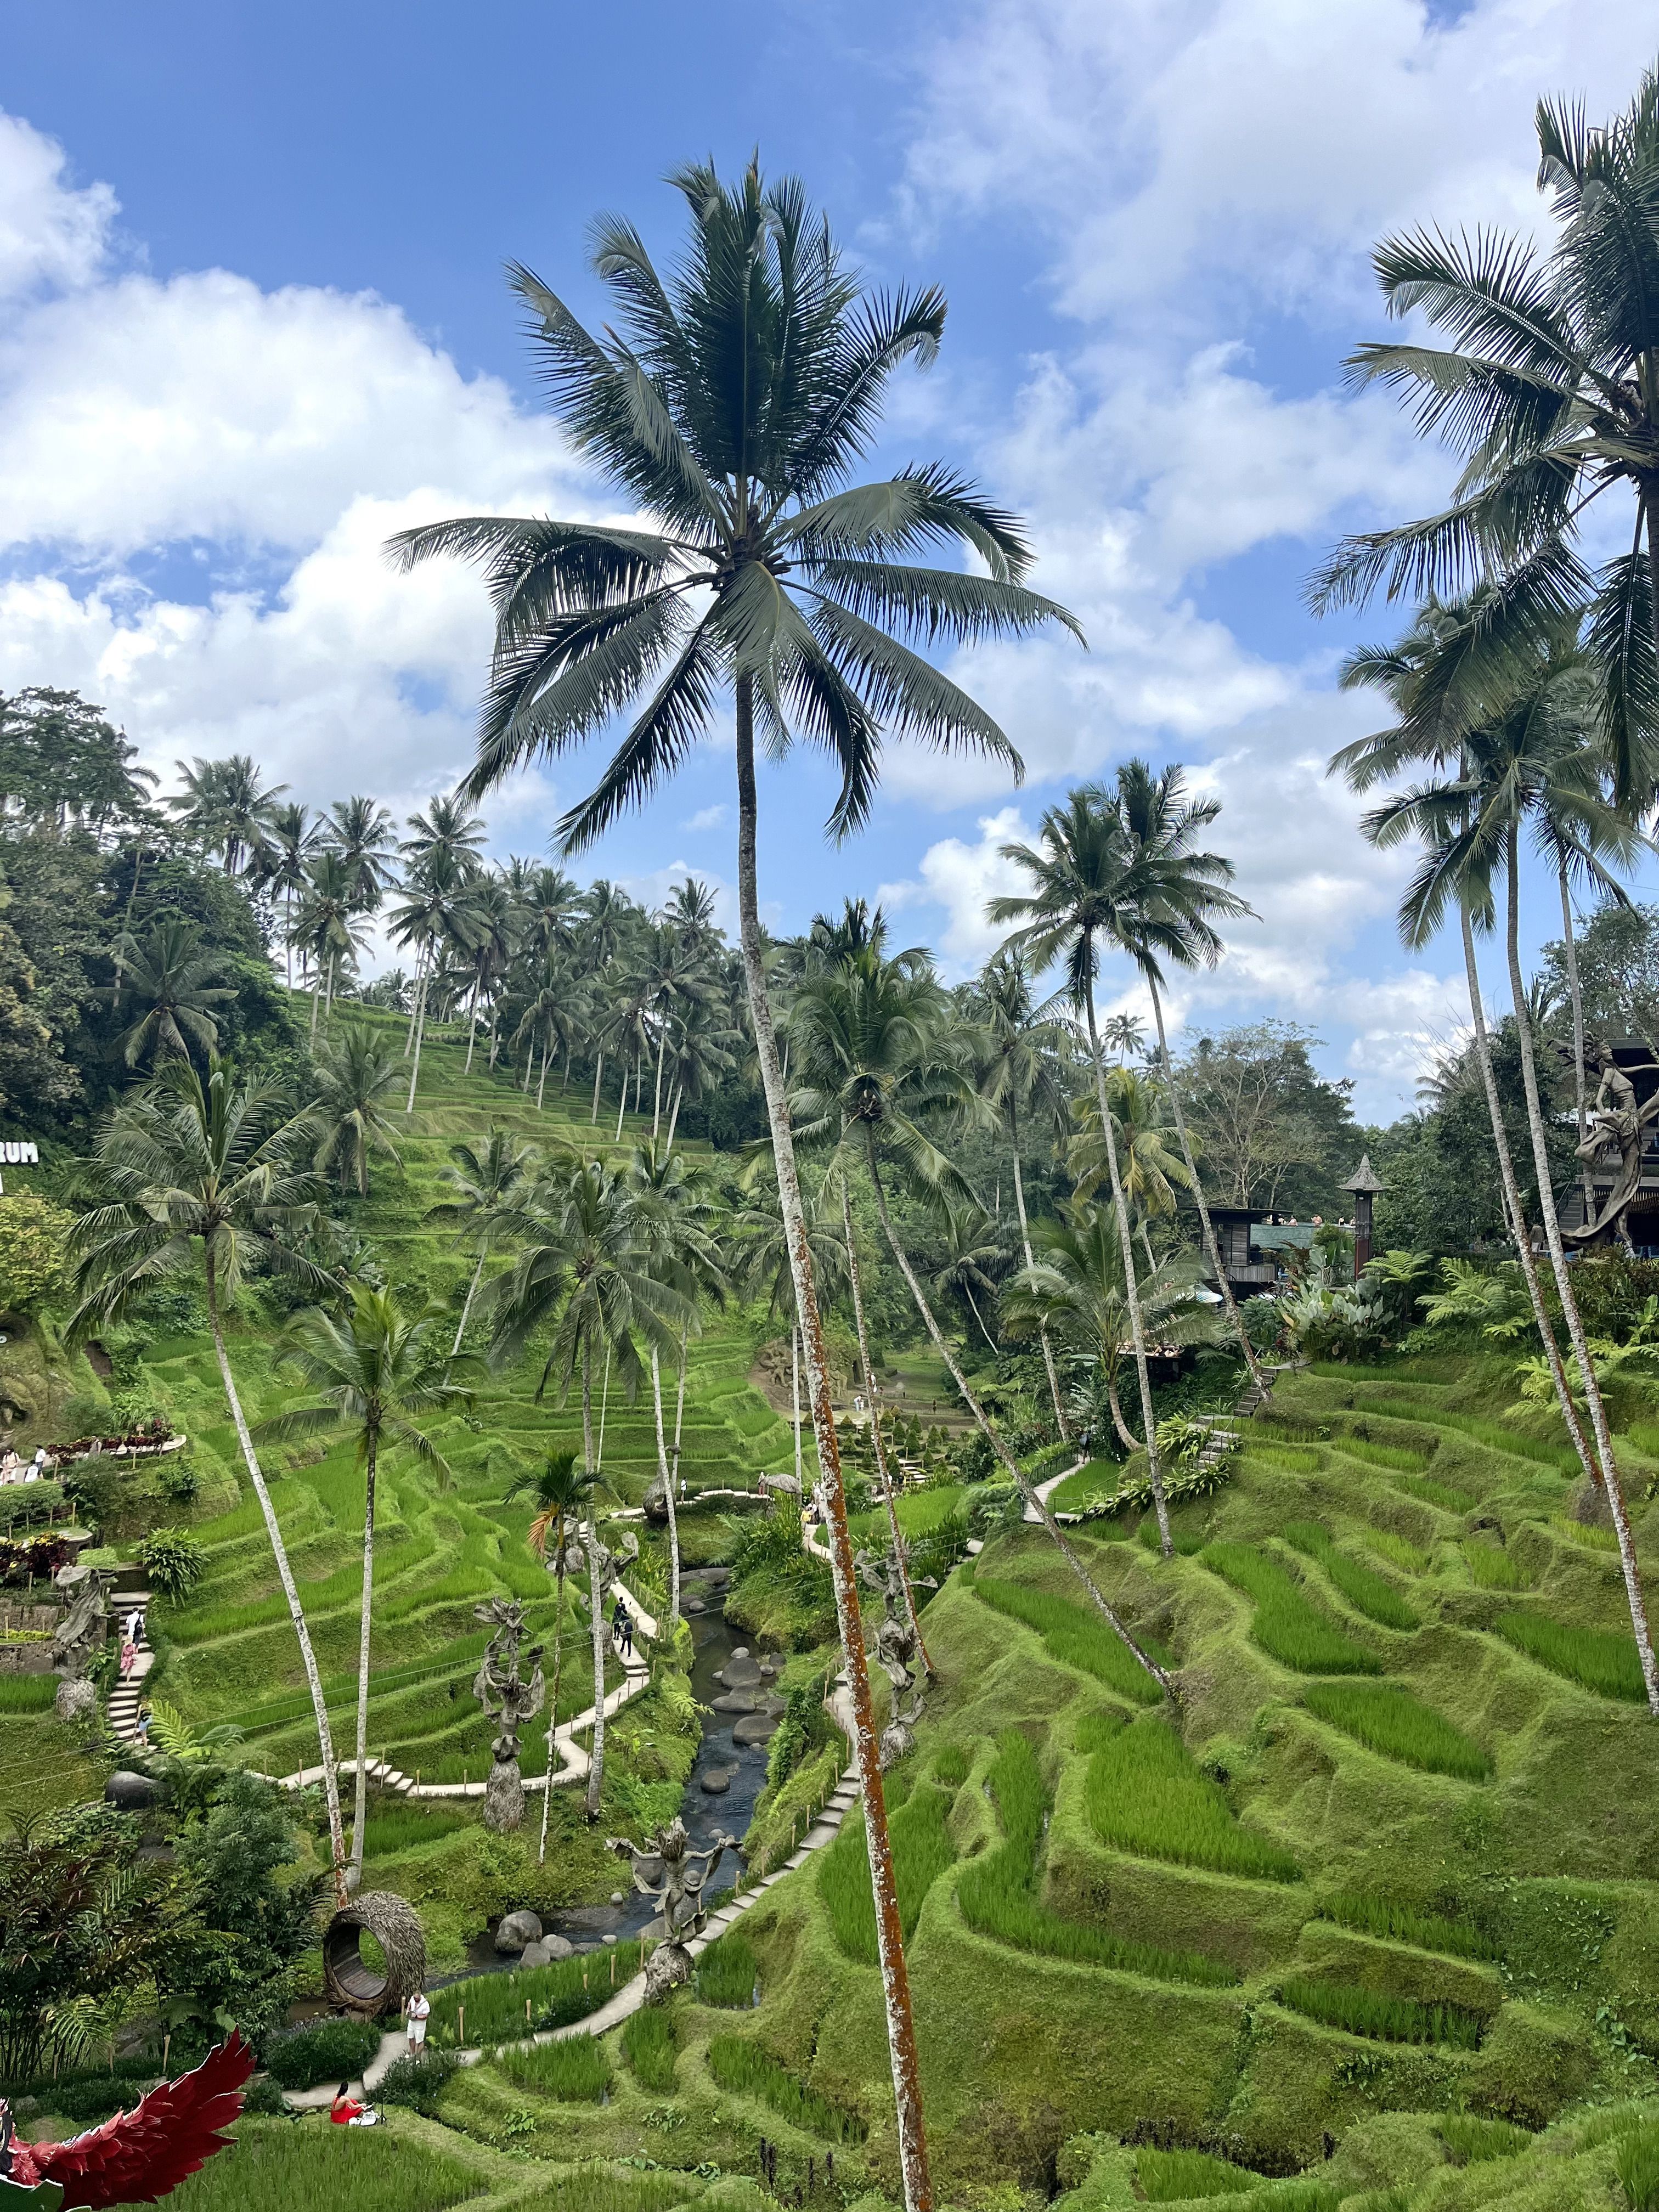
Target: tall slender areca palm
x=565 y=1497
x=328 y=927
x=372 y=1367
x=1018 y=1074
x=1085 y=887
x=355 y=1077
x=492 y=1185
x=1521 y=763
x=733 y=401
x=186 y=1165
x=1181 y=893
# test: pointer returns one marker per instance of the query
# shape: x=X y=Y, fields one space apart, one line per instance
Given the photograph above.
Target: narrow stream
x=707 y=1813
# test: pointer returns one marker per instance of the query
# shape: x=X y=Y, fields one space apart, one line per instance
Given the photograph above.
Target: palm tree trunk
x=316 y=1002
x=604 y=1401
x=285 y=1576
x=360 y=1800
x=1137 y=1328
x=1039 y=1506
x=621 y=1103
x=494 y=1023
x=1126 y=1435
x=890 y=1932
x=901 y=1550
x=794 y=1408
x=674 y=1118
x=466 y=1304
x=973 y=1306
x=1598 y=1411
x=328 y=1003
x=595 y=1578
x=541 y=1087
x=415 y=1000
x=553 y=1712
x=1025 y=1243
x=1513 y=1206
x=588 y=1408
x=1146 y=1246
x=668 y=1494
x=680 y=1399
x=656 y=1103
x=1234 y=1316
x=472 y=1024
x=599 y=1070
x=1576 y=994
x=420 y=1032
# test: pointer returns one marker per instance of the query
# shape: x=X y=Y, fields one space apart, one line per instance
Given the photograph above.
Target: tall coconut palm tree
x=363 y=834
x=554 y=1017
x=1019 y=1073
x=1550 y=389
x=190 y=1168
x=329 y=927
x=1084 y=888
x=586 y=1268
x=731 y=401
x=284 y=865
x=874 y=1062
x=1151 y=1171
x=372 y=1367
x=355 y=1077
x=1181 y=893
x=432 y=918
x=492 y=1185
x=564 y=1495
x=1077 y=1287
x=173 y=987
x=491 y=926
x=225 y=808
x=974 y=1258
x=1522 y=768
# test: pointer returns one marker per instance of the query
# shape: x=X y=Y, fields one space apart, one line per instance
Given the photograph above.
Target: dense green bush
x=1388 y=1719
x=1602 y=1661
x=1147 y=1796
x=574 y=2069
x=326 y=2050
x=1081 y=1639
x=746 y=2071
x=174 y=1562
x=1390 y=2020
x=417 y=2082
x=1288 y=1625
x=997 y=1891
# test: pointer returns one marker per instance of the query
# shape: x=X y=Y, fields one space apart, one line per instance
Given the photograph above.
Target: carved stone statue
x=1617 y=1120
x=80 y=1637
x=673 y=1876
x=507 y=1698
x=895 y=1648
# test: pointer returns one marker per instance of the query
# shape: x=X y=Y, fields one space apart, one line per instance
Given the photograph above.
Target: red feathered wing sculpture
x=140 y=2155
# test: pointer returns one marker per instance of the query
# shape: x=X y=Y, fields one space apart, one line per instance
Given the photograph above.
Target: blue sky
x=254 y=321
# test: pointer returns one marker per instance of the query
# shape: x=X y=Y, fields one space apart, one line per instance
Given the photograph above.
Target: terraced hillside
x=1394 y=1864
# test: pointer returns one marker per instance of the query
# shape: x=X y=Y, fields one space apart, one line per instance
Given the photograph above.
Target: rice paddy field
x=1366 y=1919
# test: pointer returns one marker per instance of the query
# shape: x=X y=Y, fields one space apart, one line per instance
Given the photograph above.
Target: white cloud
x=50 y=233
x=705 y=817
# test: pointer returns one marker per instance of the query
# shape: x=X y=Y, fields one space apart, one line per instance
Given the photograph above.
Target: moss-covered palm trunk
x=285 y=1576
x=1031 y=1261
x=890 y=1934
x=1131 y=1286
x=665 y=1476
x=360 y=1796
x=1598 y=1411
x=553 y=1709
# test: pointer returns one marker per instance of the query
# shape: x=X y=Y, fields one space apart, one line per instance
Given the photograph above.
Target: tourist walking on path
x=621 y=1622
x=419 y=2010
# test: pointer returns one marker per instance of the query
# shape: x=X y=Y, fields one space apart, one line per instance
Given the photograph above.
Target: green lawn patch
x=1147 y=1796
x=401 y=1826
x=1400 y=1923
x=1439 y=1494
x=1399 y=1459
x=574 y=2069
x=647 y=2045
x=997 y=1891
x=1388 y=2020
x=1287 y=1458
x=922 y=1850
x=1562 y=1457
x=1388 y=1719
x=746 y=2071
x=1168 y=2177
x=950 y=1765
x=1086 y=1486
x=27 y=1693
x=727 y=1973
x=1081 y=1639
x=1368 y=1593
x=1491 y=1567
x=1337 y=1371
x=1600 y=1659
x=1288 y=1625
x=557 y=1995
x=278 y=2168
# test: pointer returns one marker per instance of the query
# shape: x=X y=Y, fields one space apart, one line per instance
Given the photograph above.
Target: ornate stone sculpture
x=506 y=1697
x=80 y=1639
x=673 y=1876
x=1616 y=1119
x=895 y=1648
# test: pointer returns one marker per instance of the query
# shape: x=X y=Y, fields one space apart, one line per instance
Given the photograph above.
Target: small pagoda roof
x=1363 y=1179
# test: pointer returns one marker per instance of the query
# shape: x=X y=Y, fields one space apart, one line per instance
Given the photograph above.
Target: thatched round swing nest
x=349 y=1979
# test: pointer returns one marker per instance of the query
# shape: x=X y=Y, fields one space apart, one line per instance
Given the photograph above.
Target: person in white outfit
x=419 y=2010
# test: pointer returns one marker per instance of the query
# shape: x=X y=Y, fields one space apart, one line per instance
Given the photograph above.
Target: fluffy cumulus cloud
x=270 y=442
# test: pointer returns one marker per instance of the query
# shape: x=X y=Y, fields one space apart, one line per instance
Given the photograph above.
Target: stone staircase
x=126 y=1697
